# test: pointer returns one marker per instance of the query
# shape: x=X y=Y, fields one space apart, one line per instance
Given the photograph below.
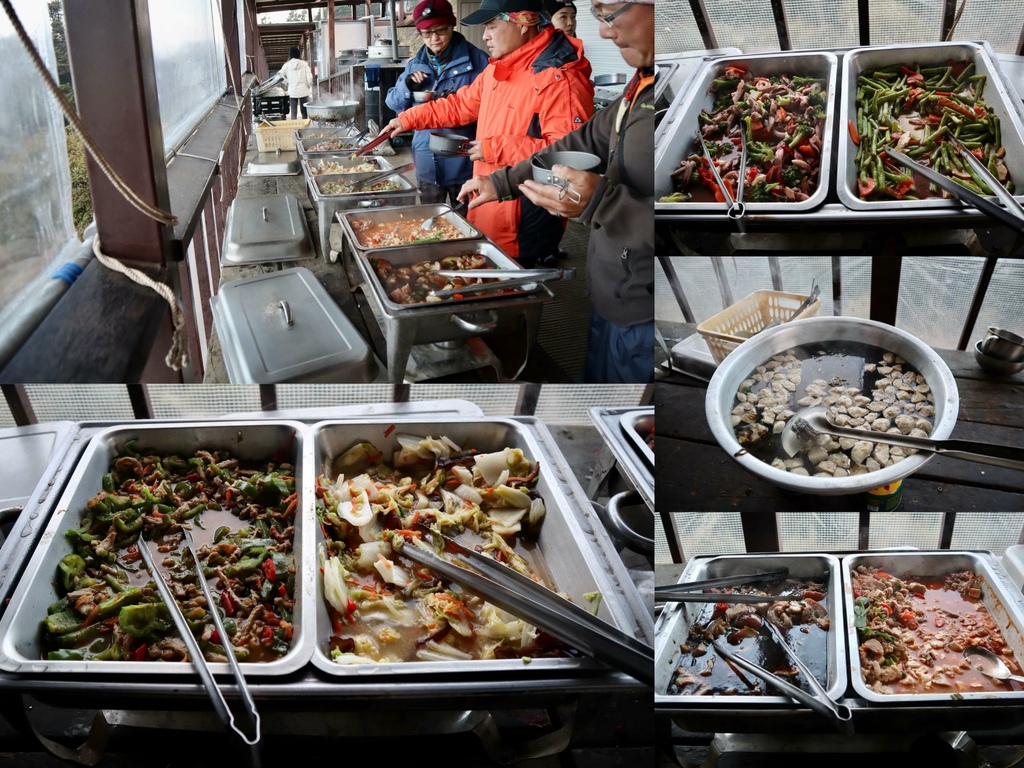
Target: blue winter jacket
x=466 y=63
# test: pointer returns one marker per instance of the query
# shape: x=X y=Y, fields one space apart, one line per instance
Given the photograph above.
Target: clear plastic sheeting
x=188 y=55
x=916 y=21
x=1001 y=307
x=997 y=21
x=994 y=531
x=675 y=30
x=73 y=402
x=6 y=416
x=745 y=24
x=817 y=531
x=35 y=183
x=571 y=403
x=905 y=529
x=701 y=533
x=814 y=24
x=174 y=401
x=935 y=296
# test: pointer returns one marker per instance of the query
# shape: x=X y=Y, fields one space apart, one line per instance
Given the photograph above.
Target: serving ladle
x=989 y=664
x=804 y=426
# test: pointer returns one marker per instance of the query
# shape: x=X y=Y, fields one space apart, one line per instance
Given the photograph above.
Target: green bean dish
x=241 y=516
x=917 y=111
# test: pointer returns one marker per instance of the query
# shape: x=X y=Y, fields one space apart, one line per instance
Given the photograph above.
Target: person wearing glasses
x=446 y=62
x=535 y=89
x=617 y=204
x=562 y=14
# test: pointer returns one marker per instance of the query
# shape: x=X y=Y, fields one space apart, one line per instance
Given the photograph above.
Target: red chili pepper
x=139 y=653
x=215 y=637
x=352 y=606
x=854 y=134
x=282 y=590
x=389 y=430
x=885 y=607
x=807 y=149
x=883 y=575
x=939 y=621
x=132 y=555
x=722 y=606
x=272 y=619
x=230 y=608
x=267 y=635
x=908 y=619
x=269 y=570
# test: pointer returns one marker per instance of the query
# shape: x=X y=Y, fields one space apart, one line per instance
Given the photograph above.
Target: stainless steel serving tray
x=20 y=635
x=265 y=228
x=400 y=257
x=637 y=426
x=610 y=424
x=306 y=147
x=999 y=99
x=443 y=212
x=406 y=188
x=569 y=556
x=310 y=163
x=676 y=138
x=999 y=597
x=674 y=626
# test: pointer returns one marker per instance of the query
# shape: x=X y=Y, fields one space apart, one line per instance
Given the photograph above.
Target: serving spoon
x=806 y=424
x=990 y=665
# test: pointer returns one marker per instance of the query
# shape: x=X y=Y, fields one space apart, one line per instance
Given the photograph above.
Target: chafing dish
x=678 y=129
x=742 y=713
x=997 y=96
x=1000 y=599
x=624 y=431
x=20 y=637
x=405 y=326
x=412 y=212
x=564 y=551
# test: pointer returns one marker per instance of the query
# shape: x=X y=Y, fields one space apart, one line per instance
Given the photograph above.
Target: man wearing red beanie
x=535 y=90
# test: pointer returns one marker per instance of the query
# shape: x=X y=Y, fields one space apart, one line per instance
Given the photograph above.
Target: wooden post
x=330 y=38
x=115 y=92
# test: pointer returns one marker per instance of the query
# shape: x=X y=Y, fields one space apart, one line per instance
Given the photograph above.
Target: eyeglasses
x=609 y=18
x=426 y=34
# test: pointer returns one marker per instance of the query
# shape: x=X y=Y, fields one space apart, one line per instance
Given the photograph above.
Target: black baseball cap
x=490 y=8
x=551 y=7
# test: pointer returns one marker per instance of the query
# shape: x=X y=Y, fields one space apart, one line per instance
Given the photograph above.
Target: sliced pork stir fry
x=111 y=609
x=782 y=120
x=384 y=608
x=801 y=614
x=913 y=631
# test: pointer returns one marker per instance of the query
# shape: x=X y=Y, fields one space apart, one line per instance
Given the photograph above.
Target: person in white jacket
x=299 y=81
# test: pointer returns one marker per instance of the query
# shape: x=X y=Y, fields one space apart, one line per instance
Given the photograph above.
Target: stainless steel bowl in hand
x=1003 y=345
x=543 y=163
x=422 y=97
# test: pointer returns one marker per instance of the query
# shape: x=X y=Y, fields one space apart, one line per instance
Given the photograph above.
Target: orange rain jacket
x=521 y=103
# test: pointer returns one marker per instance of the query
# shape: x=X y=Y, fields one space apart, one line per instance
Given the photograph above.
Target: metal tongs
x=505 y=278
x=373 y=178
x=538 y=605
x=736 y=207
x=195 y=653
x=383 y=136
x=691 y=591
x=1012 y=215
x=818 y=701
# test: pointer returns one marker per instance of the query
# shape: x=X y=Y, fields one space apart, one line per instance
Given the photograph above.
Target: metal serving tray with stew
x=21 y=636
x=996 y=95
x=411 y=212
x=999 y=596
x=734 y=712
x=677 y=132
x=565 y=552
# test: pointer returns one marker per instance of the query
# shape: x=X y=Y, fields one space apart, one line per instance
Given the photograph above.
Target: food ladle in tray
x=225 y=713
x=806 y=424
x=989 y=664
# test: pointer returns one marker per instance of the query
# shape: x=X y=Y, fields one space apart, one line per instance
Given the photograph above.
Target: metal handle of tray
x=469 y=325
x=286 y=310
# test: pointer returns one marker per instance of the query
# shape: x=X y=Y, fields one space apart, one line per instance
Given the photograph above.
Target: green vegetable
x=70 y=566
x=139 y=620
x=761 y=193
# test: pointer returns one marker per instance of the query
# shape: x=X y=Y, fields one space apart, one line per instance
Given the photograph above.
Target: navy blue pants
x=619 y=354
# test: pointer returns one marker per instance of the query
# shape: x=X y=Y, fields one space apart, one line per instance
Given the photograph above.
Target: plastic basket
x=281 y=136
x=749 y=316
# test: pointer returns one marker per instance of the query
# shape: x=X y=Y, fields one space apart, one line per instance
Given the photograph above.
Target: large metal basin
x=20 y=636
x=999 y=100
x=820 y=330
x=677 y=132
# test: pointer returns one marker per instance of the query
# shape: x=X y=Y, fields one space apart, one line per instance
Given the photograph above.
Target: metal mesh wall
x=818 y=531
x=998 y=21
x=675 y=29
x=1002 y=301
x=75 y=402
x=330 y=395
x=187 y=401
x=905 y=529
x=706 y=533
x=492 y=399
x=6 y=417
x=813 y=24
x=892 y=23
x=987 y=530
x=570 y=403
x=745 y=24
x=935 y=296
x=855 y=300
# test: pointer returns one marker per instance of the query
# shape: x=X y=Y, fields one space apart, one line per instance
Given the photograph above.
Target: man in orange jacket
x=535 y=90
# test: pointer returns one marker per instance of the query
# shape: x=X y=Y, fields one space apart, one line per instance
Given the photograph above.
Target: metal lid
x=265 y=228
x=283 y=327
x=277 y=163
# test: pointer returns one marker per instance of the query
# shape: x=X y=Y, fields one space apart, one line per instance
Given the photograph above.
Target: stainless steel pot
x=444 y=143
x=737 y=366
x=331 y=111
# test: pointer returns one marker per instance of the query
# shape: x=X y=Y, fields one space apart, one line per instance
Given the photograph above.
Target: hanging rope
x=177 y=357
x=956 y=20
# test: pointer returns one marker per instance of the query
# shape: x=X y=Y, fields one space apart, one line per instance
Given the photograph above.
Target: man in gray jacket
x=618 y=204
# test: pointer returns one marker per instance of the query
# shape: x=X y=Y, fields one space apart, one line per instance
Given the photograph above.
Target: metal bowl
x=995 y=365
x=1004 y=345
x=442 y=142
x=422 y=97
x=333 y=110
x=820 y=330
x=581 y=161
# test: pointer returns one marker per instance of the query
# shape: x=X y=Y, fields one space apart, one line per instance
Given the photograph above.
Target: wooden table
x=694 y=474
